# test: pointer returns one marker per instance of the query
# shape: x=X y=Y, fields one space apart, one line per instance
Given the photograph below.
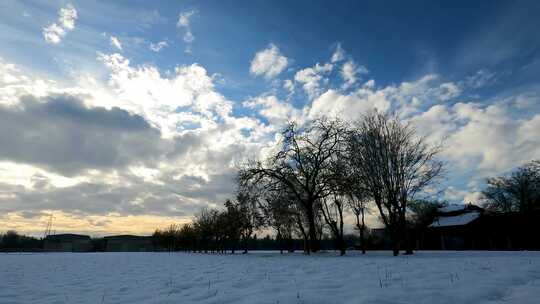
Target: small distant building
x=128 y=243
x=67 y=243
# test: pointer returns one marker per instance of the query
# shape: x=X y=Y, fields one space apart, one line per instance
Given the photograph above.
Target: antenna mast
x=49 y=226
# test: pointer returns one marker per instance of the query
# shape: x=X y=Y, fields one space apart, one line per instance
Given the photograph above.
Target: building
x=453 y=226
x=469 y=227
x=67 y=243
x=120 y=243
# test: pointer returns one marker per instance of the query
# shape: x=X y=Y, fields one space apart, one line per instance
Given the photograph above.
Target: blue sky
x=192 y=88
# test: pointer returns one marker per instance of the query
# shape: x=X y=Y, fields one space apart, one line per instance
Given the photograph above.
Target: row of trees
x=11 y=240
x=320 y=172
x=215 y=230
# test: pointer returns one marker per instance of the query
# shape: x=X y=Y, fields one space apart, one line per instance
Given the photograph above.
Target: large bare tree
x=393 y=164
x=303 y=165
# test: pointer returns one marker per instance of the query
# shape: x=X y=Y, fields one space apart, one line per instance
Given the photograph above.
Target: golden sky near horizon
x=94 y=225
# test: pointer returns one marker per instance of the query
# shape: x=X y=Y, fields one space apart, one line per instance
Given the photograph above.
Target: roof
x=452 y=208
x=126 y=237
x=456 y=209
x=66 y=237
x=455 y=220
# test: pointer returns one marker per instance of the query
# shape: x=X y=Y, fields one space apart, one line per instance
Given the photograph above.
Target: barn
x=67 y=243
x=124 y=243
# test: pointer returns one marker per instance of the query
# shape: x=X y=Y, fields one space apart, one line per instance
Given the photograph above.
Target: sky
x=126 y=116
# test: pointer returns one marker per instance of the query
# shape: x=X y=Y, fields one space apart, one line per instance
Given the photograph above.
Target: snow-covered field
x=427 y=277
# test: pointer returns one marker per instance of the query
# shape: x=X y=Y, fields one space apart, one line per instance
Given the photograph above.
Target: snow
x=456 y=220
x=426 y=277
x=452 y=208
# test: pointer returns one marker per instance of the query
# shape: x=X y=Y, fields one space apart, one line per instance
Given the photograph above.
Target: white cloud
x=338 y=55
x=148 y=92
x=311 y=78
x=268 y=62
x=349 y=72
x=350 y=107
x=288 y=85
x=481 y=79
x=157 y=47
x=184 y=22
x=55 y=32
x=115 y=42
x=447 y=91
x=276 y=111
x=489 y=138
x=480 y=140
x=14 y=83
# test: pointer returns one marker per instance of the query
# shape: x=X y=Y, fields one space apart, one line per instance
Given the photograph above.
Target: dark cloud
x=61 y=134
x=90 y=198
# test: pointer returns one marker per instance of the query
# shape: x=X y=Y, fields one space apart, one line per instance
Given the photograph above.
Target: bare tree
x=332 y=210
x=233 y=223
x=520 y=191
x=303 y=166
x=205 y=223
x=250 y=217
x=394 y=164
x=358 y=203
x=280 y=215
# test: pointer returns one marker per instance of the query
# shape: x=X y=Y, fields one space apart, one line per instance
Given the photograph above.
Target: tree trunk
x=341 y=246
x=408 y=242
x=362 y=229
x=304 y=234
x=246 y=239
x=395 y=240
x=313 y=241
x=280 y=241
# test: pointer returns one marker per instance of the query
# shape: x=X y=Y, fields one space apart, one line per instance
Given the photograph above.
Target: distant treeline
x=13 y=241
x=171 y=239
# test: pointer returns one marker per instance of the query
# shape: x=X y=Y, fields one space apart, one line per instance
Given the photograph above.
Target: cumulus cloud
x=157 y=47
x=350 y=106
x=277 y=112
x=184 y=23
x=146 y=91
x=481 y=140
x=114 y=41
x=268 y=62
x=311 y=78
x=288 y=85
x=55 y=32
x=350 y=71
